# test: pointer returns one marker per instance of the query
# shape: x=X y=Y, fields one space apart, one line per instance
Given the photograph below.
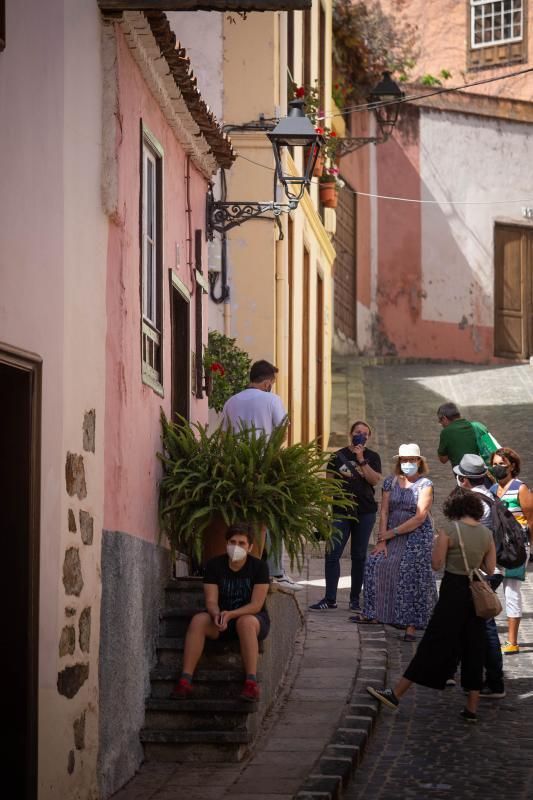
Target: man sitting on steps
x=235 y=588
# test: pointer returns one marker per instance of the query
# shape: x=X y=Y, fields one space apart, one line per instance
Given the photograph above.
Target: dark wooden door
x=319 y=399
x=345 y=303
x=181 y=348
x=305 y=345
x=20 y=403
x=513 y=291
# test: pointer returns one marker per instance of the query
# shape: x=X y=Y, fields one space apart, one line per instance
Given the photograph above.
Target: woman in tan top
x=454 y=632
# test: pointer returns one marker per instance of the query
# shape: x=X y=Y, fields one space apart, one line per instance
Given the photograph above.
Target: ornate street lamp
x=294 y=130
x=384 y=100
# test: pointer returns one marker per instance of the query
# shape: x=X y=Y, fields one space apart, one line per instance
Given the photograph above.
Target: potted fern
x=211 y=480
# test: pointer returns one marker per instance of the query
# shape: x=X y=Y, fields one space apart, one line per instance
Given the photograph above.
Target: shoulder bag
x=486 y=602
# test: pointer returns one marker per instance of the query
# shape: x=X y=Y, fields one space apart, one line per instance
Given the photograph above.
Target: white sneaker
x=287 y=583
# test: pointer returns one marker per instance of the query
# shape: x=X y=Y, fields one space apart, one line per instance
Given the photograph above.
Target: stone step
x=174 y=621
x=195 y=746
x=185 y=593
x=204 y=705
x=223 y=682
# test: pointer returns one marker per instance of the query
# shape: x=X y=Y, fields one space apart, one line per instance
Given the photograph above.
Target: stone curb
x=344 y=752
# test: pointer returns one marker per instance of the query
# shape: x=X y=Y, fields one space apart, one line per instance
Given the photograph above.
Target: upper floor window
x=498 y=33
x=495 y=22
x=151 y=260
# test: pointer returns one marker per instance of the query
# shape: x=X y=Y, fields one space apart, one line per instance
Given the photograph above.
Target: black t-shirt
x=361 y=490
x=235 y=587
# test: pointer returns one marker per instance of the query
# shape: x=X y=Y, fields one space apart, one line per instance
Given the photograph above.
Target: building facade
x=443 y=253
x=103 y=312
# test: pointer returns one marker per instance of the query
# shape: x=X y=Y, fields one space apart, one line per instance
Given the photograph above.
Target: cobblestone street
x=424 y=750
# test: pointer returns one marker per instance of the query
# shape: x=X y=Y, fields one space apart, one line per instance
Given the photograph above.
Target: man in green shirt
x=457 y=436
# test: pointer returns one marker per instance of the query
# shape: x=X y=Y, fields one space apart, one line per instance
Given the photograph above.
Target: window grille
x=495 y=22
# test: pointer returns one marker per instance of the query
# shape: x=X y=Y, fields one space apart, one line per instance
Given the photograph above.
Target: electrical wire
x=412 y=98
x=411 y=199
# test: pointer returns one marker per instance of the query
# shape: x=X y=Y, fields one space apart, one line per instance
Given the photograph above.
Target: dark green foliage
x=244 y=476
x=227 y=368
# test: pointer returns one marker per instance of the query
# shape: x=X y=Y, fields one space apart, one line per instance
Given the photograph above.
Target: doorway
x=513 y=291
x=181 y=348
x=306 y=285
x=319 y=399
x=20 y=393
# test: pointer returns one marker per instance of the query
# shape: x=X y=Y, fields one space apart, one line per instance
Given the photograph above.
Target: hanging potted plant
x=329 y=186
x=226 y=369
x=211 y=480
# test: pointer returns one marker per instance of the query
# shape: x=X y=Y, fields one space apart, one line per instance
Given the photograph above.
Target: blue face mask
x=409 y=468
x=359 y=438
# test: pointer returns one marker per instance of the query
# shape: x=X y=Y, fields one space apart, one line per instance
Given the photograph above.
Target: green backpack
x=486 y=443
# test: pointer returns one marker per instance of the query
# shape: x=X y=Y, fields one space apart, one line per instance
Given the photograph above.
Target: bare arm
x=489 y=559
x=211 y=599
x=525 y=498
x=370 y=475
x=425 y=501
x=440 y=549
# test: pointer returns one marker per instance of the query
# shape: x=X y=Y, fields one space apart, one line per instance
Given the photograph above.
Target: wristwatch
x=395 y=531
x=362 y=463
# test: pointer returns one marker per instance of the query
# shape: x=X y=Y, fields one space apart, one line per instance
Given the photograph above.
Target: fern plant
x=245 y=476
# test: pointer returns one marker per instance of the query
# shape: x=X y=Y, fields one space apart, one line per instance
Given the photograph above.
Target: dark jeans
x=360 y=531
x=493 y=653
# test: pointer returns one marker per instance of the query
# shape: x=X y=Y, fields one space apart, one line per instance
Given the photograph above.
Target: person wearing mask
x=471 y=473
x=360 y=469
x=257 y=406
x=454 y=632
x=457 y=437
x=235 y=588
x=400 y=588
x=505 y=466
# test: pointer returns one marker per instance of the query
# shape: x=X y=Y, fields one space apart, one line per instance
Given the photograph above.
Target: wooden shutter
x=345 y=265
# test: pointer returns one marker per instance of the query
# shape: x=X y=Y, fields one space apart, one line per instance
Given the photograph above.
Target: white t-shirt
x=263 y=410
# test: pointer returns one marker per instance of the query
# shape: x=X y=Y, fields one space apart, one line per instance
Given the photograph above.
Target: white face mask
x=409 y=467
x=236 y=552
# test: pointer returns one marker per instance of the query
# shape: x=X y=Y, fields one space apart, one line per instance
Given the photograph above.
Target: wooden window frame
x=2 y=25
x=497 y=53
x=152 y=318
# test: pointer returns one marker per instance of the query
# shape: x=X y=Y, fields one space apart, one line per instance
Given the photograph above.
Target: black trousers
x=453 y=634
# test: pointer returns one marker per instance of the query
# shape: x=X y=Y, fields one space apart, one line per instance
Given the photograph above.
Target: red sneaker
x=250 y=690
x=182 y=689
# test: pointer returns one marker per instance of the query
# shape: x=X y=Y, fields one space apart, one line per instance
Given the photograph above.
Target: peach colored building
x=103 y=316
x=443 y=210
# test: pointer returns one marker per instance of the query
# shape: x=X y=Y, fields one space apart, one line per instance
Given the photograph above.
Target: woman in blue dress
x=399 y=584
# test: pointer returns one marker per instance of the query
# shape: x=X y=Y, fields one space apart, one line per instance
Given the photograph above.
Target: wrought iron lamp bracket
x=222 y=216
x=350 y=144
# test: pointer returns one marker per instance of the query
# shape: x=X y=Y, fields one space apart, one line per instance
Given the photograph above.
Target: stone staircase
x=214 y=725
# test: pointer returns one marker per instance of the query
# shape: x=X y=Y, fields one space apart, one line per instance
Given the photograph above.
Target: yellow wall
x=255 y=81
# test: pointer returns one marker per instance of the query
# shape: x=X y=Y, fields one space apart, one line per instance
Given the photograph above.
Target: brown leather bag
x=486 y=601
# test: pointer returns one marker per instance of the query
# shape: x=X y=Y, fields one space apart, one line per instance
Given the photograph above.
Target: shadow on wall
x=422 y=269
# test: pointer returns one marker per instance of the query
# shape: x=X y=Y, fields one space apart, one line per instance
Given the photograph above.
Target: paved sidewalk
x=300 y=726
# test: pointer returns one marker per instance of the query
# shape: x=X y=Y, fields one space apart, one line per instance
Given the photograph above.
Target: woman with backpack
x=505 y=466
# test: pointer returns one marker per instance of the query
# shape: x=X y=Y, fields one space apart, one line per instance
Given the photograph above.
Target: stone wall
x=134 y=573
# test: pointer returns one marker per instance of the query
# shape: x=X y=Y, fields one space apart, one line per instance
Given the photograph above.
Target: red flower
x=320 y=131
x=216 y=367
x=300 y=92
x=332 y=133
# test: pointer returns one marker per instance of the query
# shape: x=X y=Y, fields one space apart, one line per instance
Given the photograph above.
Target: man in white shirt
x=259 y=407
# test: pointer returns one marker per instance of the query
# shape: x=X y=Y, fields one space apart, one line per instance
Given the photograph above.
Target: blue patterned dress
x=400 y=588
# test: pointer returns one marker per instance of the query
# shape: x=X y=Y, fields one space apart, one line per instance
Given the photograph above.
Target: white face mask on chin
x=236 y=552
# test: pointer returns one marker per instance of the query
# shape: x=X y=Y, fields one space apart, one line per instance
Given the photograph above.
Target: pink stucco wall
x=402 y=329
x=132 y=408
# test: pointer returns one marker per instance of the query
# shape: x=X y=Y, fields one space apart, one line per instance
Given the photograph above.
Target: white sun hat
x=410 y=450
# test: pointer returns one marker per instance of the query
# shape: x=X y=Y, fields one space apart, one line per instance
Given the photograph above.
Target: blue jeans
x=493 y=654
x=360 y=531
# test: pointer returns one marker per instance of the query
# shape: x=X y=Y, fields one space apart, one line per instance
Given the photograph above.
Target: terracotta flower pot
x=215 y=539
x=328 y=194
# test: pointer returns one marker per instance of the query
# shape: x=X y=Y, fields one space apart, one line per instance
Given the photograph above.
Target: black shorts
x=231 y=630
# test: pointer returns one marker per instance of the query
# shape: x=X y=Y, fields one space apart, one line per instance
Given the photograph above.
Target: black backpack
x=509 y=536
